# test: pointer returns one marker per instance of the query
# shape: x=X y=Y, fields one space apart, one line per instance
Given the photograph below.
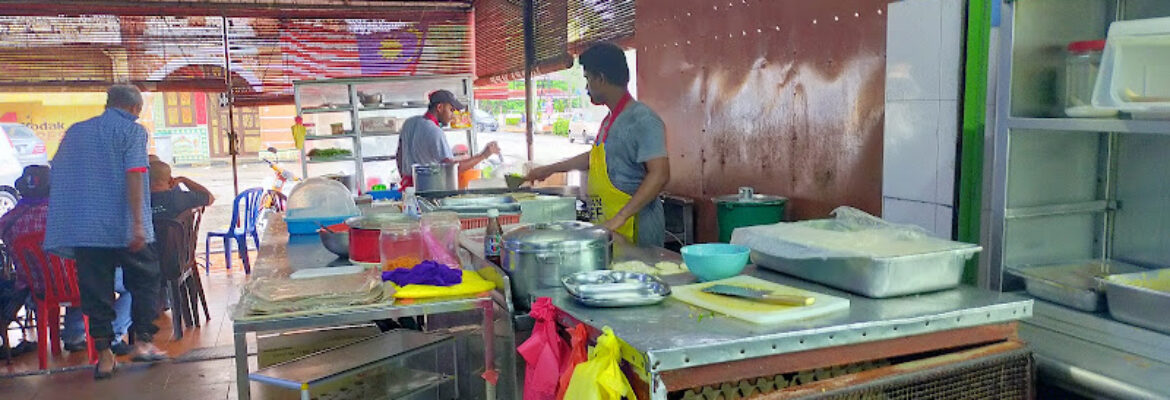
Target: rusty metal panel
x=786 y=96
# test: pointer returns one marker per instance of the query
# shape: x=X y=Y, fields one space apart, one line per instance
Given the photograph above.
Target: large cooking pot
x=365 y=232
x=436 y=177
x=538 y=255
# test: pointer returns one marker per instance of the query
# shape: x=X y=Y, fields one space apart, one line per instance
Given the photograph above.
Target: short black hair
x=607 y=60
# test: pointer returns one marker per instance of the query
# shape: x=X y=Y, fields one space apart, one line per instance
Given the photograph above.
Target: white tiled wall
x=923 y=77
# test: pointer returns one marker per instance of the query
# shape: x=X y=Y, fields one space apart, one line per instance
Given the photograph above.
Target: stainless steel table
x=280 y=255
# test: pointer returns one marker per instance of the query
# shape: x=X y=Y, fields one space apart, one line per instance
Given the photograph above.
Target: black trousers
x=95 y=278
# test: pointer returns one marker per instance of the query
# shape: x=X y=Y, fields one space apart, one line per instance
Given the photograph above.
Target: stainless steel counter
x=674 y=335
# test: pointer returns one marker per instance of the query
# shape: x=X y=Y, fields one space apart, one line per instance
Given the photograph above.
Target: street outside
x=217 y=177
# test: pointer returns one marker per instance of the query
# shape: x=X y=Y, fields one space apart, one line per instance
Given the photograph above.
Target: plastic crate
x=482 y=222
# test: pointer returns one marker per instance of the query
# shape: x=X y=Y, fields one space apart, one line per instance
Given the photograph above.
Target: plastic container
x=401 y=244
x=715 y=261
x=747 y=209
x=1080 y=75
x=1135 y=69
x=318 y=201
x=440 y=235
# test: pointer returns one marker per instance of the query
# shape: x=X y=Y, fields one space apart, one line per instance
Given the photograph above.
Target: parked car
x=30 y=149
x=10 y=170
x=484 y=121
x=581 y=130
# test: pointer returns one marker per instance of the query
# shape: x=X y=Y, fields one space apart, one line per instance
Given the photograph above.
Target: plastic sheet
x=851 y=233
x=578 y=353
x=264 y=296
x=440 y=237
x=543 y=353
x=601 y=377
x=472 y=284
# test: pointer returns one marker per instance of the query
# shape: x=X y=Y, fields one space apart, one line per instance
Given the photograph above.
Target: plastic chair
x=195 y=287
x=242 y=226
x=172 y=245
x=59 y=278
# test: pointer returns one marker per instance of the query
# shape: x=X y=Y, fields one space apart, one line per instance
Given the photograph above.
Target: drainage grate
x=1004 y=376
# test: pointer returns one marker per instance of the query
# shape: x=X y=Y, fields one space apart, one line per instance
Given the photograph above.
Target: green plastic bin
x=747 y=209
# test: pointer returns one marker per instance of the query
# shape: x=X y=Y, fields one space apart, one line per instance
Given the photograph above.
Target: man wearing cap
x=422 y=141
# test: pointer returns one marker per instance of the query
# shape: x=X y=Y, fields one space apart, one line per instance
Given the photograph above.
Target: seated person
x=28 y=217
x=167 y=199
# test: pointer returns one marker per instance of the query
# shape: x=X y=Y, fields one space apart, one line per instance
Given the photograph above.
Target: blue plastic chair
x=241 y=227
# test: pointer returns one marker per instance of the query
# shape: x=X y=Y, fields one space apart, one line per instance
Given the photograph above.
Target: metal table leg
x=490 y=375
x=243 y=385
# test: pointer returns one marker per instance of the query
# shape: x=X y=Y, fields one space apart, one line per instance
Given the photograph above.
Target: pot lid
x=380 y=220
x=748 y=195
x=565 y=235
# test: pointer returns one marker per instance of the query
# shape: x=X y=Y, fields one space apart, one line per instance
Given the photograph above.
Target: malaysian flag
x=334 y=49
x=326 y=49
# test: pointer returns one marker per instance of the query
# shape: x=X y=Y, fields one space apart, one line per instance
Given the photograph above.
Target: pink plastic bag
x=543 y=353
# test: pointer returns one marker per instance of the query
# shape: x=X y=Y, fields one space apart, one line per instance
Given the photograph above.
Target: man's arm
x=488 y=151
x=657 y=176
x=196 y=187
x=579 y=162
x=134 y=189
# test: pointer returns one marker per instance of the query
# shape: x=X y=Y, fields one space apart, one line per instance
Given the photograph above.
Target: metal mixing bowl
x=337 y=243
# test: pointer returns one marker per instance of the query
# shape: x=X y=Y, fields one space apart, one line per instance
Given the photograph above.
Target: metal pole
x=529 y=65
x=233 y=148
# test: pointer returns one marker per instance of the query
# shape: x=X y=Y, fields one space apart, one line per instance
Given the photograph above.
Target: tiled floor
x=186 y=380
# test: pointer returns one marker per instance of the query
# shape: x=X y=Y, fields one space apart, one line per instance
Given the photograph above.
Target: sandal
x=98 y=375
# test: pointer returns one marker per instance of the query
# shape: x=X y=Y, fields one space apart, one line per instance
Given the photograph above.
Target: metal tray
x=877 y=277
x=615 y=288
x=1072 y=284
x=482 y=201
x=1136 y=303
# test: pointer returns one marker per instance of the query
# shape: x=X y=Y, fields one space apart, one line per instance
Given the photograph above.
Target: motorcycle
x=282 y=181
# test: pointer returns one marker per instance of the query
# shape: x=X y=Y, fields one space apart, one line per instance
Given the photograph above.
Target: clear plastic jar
x=1081 y=66
x=401 y=245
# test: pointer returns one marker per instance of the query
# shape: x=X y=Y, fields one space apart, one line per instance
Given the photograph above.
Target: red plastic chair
x=59 y=278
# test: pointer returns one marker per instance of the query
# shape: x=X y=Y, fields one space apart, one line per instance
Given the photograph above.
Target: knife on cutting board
x=760 y=295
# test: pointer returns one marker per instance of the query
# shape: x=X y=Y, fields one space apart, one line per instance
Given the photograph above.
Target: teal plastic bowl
x=715 y=261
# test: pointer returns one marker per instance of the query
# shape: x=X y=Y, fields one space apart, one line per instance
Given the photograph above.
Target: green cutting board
x=758 y=312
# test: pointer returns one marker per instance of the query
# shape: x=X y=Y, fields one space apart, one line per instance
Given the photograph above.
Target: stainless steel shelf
x=1090 y=125
x=379 y=158
x=1082 y=351
x=327 y=137
x=1060 y=209
x=325 y=110
x=331 y=160
x=331 y=364
x=1101 y=329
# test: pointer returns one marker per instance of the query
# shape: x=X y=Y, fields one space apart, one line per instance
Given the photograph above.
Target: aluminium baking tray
x=1140 y=298
x=607 y=288
x=1072 y=284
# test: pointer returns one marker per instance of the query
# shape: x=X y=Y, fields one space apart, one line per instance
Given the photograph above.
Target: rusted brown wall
x=786 y=96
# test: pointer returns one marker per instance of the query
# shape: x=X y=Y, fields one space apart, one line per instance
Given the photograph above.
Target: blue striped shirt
x=87 y=197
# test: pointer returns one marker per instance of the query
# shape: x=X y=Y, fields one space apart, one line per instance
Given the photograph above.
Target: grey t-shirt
x=637 y=136
x=421 y=141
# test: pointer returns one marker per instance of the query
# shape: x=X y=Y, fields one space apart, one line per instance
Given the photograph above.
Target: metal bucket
x=436 y=177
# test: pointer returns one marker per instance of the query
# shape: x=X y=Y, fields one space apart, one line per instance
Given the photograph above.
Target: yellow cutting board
x=758 y=312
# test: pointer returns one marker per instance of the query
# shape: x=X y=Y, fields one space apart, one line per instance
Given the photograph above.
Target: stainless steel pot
x=538 y=255
x=436 y=177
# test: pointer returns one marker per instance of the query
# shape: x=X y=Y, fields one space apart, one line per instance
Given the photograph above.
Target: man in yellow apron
x=628 y=164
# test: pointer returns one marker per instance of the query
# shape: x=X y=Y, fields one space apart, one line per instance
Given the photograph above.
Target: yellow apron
x=606 y=200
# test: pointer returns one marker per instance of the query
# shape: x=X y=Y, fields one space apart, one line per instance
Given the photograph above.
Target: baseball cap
x=445 y=96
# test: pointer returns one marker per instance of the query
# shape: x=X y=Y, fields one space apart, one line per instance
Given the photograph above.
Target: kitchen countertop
x=674 y=335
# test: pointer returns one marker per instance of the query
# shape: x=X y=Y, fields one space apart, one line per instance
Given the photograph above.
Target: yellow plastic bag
x=601 y=377
x=472 y=284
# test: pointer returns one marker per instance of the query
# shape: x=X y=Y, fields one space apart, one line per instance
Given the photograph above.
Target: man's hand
x=492 y=148
x=138 y=240
x=538 y=174
x=615 y=223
